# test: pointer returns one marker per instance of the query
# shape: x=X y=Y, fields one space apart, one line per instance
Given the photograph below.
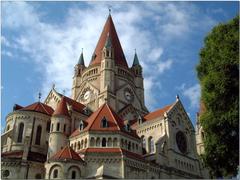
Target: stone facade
x=104 y=130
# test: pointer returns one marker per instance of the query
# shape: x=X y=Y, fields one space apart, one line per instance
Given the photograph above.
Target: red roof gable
x=109 y=30
x=66 y=153
x=115 y=123
x=152 y=115
x=61 y=108
x=157 y=113
x=76 y=106
x=39 y=107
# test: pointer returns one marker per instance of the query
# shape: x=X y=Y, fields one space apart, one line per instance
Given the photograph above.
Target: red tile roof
x=61 y=108
x=102 y=150
x=76 y=106
x=109 y=29
x=39 y=107
x=157 y=113
x=152 y=115
x=115 y=123
x=66 y=153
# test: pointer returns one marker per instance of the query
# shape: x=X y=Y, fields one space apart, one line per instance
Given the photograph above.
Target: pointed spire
x=135 y=60
x=81 y=59
x=109 y=34
x=61 y=108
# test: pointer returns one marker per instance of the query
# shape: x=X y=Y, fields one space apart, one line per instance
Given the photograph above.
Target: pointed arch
x=38 y=135
x=20 y=132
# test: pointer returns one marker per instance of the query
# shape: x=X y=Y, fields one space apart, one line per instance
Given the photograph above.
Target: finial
x=109 y=9
x=39 y=96
x=64 y=92
x=177 y=97
x=53 y=86
x=82 y=50
x=135 y=50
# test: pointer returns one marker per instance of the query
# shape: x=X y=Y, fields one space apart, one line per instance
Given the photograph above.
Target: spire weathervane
x=39 y=96
x=109 y=9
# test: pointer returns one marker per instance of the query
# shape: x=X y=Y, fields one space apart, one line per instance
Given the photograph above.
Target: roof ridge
x=100 y=109
x=113 y=117
x=61 y=152
x=43 y=107
x=70 y=153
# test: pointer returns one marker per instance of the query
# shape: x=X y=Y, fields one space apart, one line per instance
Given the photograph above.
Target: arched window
x=20 y=132
x=109 y=143
x=151 y=145
x=85 y=143
x=115 y=142
x=81 y=126
x=73 y=174
x=55 y=173
x=104 y=123
x=129 y=146
x=48 y=126
x=38 y=135
x=78 y=145
x=92 y=142
x=104 y=142
x=58 y=126
x=64 y=128
x=143 y=142
x=98 y=142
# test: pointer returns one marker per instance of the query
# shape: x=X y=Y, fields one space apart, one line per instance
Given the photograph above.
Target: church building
x=104 y=130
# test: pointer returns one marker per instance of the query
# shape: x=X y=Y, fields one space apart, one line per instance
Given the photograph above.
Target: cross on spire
x=39 y=96
x=109 y=9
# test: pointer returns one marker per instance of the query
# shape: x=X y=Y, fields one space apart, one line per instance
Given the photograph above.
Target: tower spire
x=109 y=32
x=81 y=59
x=135 y=60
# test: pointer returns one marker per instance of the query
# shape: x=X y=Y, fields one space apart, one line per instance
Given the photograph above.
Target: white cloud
x=164 y=65
x=155 y=54
x=7 y=53
x=193 y=94
x=56 y=47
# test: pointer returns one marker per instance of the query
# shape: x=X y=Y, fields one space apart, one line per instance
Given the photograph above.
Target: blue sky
x=41 y=42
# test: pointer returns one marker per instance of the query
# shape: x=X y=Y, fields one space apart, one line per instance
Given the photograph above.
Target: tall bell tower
x=108 y=78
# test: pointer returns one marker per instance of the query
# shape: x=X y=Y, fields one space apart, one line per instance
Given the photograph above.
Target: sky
x=42 y=41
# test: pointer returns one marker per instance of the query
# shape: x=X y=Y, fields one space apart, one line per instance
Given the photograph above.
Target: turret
x=60 y=128
x=78 y=70
x=138 y=80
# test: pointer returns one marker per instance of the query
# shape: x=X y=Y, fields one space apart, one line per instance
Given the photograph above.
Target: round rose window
x=181 y=141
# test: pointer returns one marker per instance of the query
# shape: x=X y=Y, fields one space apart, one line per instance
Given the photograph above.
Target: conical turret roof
x=135 y=60
x=109 y=31
x=62 y=108
x=81 y=60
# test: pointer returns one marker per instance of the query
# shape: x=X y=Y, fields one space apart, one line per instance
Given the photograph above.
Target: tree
x=218 y=72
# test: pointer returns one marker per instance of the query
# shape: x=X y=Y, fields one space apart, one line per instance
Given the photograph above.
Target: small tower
x=137 y=70
x=107 y=83
x=60 y=128
x=78 y=70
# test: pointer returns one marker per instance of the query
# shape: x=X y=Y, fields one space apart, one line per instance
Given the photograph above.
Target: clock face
x=128 y=95
x=86 y=95
x=181 y=141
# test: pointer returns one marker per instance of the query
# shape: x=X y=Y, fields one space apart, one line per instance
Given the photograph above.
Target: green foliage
x=218 y=72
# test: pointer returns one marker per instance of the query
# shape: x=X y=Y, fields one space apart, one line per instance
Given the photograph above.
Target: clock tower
x=109 y=79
